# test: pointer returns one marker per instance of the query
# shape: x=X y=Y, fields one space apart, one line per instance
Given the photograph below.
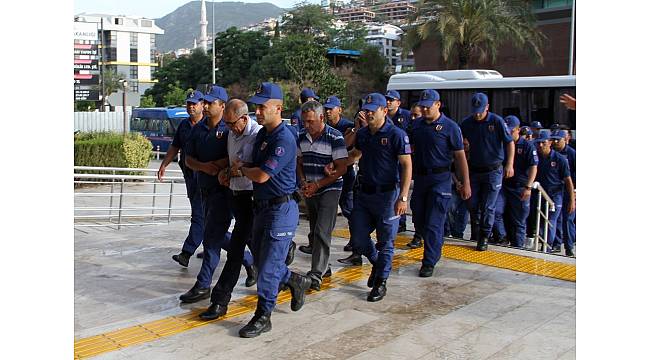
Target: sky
x=152 y=8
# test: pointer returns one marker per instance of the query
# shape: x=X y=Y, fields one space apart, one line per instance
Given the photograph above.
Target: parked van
x=158 y=124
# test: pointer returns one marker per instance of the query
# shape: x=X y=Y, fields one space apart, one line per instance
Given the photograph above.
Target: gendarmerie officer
x=517 y=189
x=383 y=149
x=306 y=94
x=555 y=177
x=487 y=136
x=207 y=155
x=194 y=106
x=241 y=139
x=437 y=141
x=273 y=172
x=567 y=229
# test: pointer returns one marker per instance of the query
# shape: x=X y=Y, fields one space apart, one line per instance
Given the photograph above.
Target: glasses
x=232 y=123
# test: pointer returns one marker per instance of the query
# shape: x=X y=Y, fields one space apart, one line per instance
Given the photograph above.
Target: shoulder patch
x=406 y=138
x=279 y=151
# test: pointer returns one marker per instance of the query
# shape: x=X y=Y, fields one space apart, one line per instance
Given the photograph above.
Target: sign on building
x=83 y=95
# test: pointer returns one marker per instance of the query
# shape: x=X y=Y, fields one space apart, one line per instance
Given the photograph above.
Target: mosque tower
x=203 y=40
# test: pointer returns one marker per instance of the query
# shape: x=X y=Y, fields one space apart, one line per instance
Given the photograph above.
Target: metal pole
x=169 y=212
x=573 y=34
x=119 y=214
x=539 y=209
x=124 y=107
x=157 y=152
x=214 y=76
x=546 y=229
x=110 y=212
x=101 y=67
x=153 y=202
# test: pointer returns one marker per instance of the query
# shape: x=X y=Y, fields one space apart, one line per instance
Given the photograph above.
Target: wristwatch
x=404 y=198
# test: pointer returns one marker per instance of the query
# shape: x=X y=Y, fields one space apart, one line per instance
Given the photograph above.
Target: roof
x=334 y=51
x=473 y=79
x=161 y=113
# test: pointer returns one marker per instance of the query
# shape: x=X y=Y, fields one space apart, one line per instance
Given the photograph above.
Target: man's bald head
x=236 y=108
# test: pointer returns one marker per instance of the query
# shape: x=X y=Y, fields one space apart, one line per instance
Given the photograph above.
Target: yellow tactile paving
x=138 y=334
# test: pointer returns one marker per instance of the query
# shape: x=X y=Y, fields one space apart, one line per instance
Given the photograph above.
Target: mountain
x=182 y=25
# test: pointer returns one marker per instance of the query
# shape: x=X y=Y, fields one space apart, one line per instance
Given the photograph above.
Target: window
x=146 y=23
x=111 y=54
x=134 y=55
x=119 y=21
x=167 y=129
x=133 y=71
x=133 y=86
x=134 y=40
x=152 y=38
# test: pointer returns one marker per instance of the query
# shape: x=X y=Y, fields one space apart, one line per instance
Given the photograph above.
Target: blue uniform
x=195 y=235
x=206 y=145
x=551 y=172
x=276 y=212
x=374 y=203
x=486 y=154
x=402 y=119
x=517 y=210
x=296 y=119
x=567 y=231
x=347 y=195
x=434 y=146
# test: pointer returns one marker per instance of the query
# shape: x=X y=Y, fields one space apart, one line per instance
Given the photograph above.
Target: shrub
x=107 y=149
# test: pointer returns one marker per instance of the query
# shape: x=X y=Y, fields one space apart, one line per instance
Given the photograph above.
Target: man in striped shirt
x=318 y=145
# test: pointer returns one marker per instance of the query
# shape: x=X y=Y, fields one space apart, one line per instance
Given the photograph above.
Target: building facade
x=388 y=39
x=127 y=46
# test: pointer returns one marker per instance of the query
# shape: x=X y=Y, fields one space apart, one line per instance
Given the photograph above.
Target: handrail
x=126 y=177
x=99 y=168
x=549 y=205
x=539 y=187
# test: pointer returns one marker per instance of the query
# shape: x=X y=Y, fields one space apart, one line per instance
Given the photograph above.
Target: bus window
x=506 y=102
x=562 y=114
x=167 y=129
x=542 y=109
x=457 y=103
x=153 y=125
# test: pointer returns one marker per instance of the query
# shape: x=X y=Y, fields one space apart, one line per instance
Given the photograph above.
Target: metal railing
x=102 y=215
x=549 y=205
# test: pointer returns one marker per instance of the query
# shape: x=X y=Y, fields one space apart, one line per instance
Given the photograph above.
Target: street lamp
x=213 y=60
x=125 y=84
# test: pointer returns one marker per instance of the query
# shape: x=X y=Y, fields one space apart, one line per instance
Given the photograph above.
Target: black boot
x=426 y=271
x=183 y=258
x=298 y=284
x=378 y=290
x=482 y=243
x=354 y=259
x=347 y=247
x=251 y=278
x=416 y=242
x=291 y=253
x=213 y=312
x=195 y=294
x=260 y=323
x=307 y=249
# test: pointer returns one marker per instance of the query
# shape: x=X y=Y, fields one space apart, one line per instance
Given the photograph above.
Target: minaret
x=204 y=28
x=194 y=44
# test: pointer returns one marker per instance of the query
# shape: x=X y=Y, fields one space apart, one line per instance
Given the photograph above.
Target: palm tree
x=471 y=28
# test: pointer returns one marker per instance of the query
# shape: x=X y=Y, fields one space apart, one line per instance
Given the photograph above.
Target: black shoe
x=504 y=242
x=371 y=277
x=251 y=278
x=315 y=285
x=401 y=228
x=200 y=255
x=307 y=249
x=415 y=243
x=183 y=258
x=482 y=244
x=195 y=294
x=328 y=272
x=378 y=291
x=347 y=247
x=298 y=284
x=569 y=252
x=291 y=253
x=354 y=260
x=214 y=311
x=556 y=249
x=426 y=271
x=260 y=323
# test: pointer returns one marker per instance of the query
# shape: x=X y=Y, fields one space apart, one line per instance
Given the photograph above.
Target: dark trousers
x=429 y=209
x=195 y=236
x=242 y=208
x=485 y=190
x=457 y=216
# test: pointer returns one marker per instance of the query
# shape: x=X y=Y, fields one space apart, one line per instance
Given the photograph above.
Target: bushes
x=108 y=149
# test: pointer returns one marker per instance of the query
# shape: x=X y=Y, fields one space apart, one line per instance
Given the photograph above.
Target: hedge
x=108 y=149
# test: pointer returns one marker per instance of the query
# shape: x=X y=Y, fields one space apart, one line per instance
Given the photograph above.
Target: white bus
x=529 y=98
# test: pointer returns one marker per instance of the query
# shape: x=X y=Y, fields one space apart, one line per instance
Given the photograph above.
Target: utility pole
x=125 y=84
x=101 y=66
x=573 y=37
x=214 y=76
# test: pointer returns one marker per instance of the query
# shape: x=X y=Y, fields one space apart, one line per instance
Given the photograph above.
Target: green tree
x=236 y=53
x=175 y=95
x=147 y=101
x=309 y=19
x=112 y=81
x=468 y=29
x=184 y=72
x=351 y=37
x=373 y=67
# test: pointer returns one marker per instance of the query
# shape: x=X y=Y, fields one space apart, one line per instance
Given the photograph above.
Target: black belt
x=277 y=200
x=484 y=169
x=435 y=170
x=373 y=189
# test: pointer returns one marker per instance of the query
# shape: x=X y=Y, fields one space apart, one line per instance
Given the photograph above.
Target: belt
x=374 y=189
x=435 y=170
x=277 y=200
x=484 y=169
x=242 y=192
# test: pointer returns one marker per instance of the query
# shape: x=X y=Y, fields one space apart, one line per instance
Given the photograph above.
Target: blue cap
x=555 y=126
x=266 y=92
x=332 y=102
x=525 y=130
x=559 y=134
x=512 y=122
x=479 y=102
x=215 y=92
x=393 y=94
x=373 y=101
x=536 y=125
x=428 y=97
x=308 y=93
x=543 y=136
x=194 y=96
